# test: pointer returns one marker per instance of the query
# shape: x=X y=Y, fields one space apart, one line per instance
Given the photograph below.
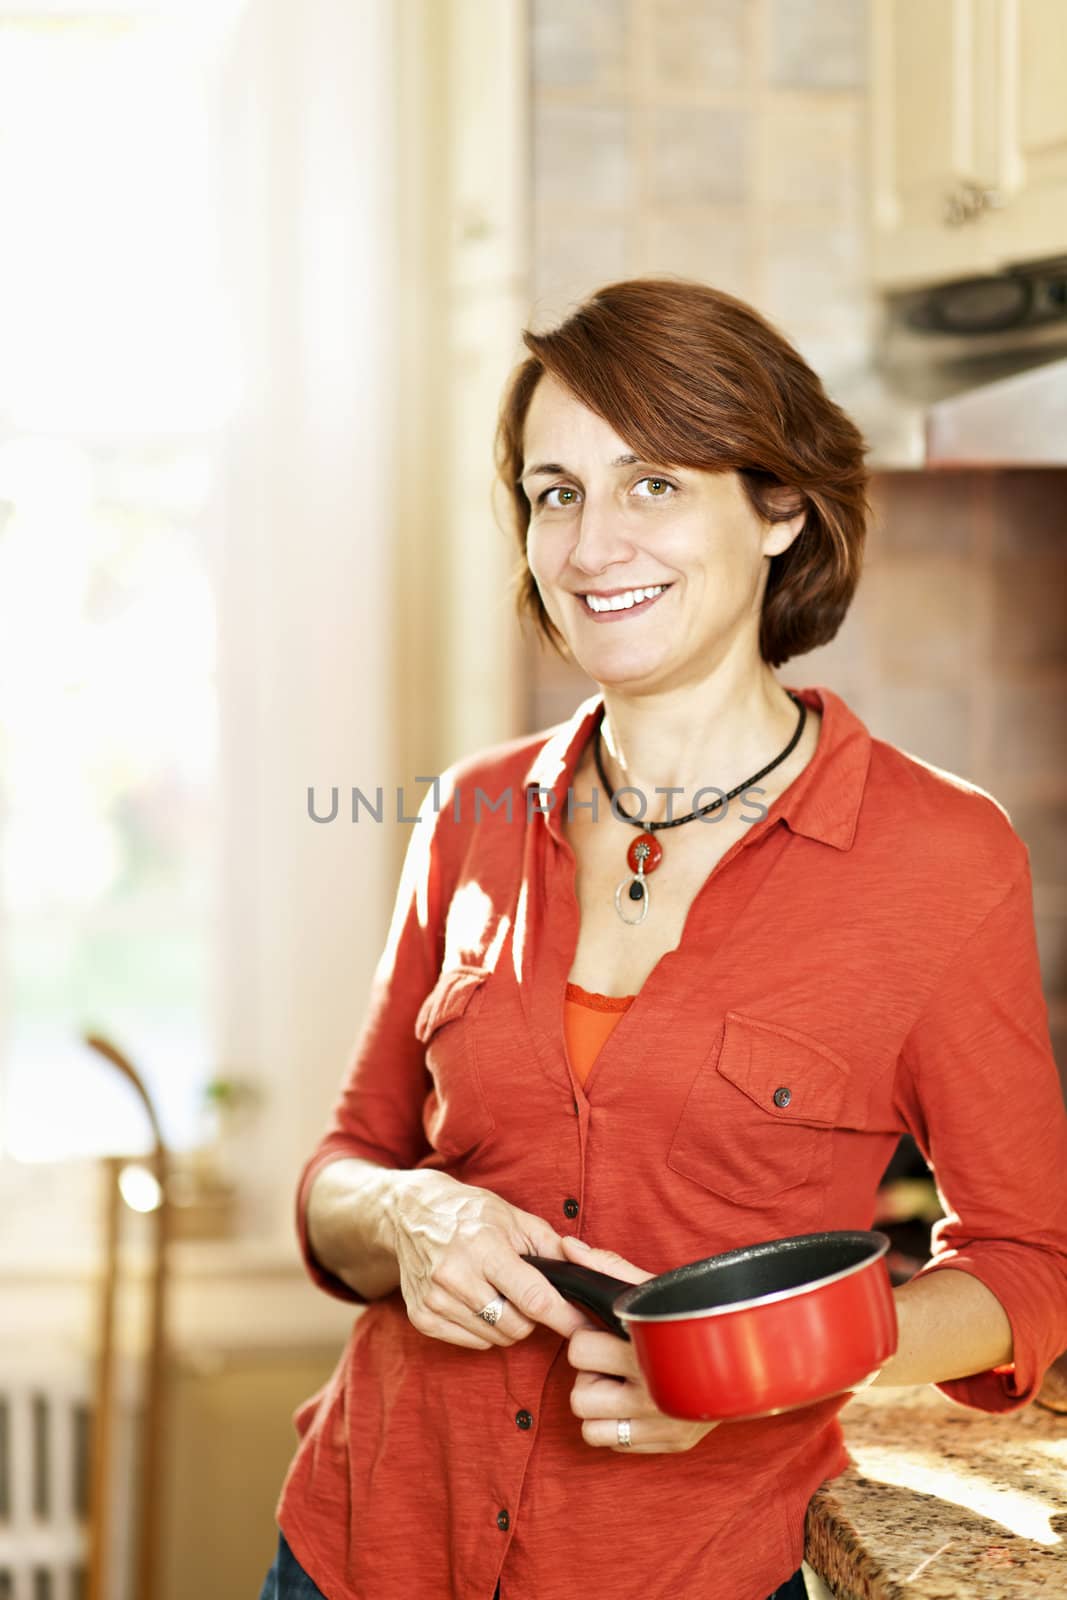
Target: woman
x=694 y=1017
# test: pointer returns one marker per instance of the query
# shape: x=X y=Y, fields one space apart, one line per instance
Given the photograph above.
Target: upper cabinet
x=1033 y=148
x=968 y=136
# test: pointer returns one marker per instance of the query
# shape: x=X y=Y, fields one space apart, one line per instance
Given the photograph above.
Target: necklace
x=645 y=853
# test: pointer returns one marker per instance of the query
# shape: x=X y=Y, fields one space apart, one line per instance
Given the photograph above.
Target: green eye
x=542 y=499
x=658 y=489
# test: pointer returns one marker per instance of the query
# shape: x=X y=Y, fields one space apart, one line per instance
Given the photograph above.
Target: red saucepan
x=756 y=1331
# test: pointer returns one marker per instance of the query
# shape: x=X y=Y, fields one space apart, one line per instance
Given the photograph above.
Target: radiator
x=44 y=1484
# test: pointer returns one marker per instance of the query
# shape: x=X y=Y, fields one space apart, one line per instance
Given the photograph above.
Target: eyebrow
x=548 y=469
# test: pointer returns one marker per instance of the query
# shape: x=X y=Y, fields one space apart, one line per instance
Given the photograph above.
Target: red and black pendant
x=643 y=857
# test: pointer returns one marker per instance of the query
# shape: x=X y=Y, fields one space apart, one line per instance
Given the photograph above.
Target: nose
x=600 y=539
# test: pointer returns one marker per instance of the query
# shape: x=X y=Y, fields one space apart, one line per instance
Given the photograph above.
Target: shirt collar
x=823 y=803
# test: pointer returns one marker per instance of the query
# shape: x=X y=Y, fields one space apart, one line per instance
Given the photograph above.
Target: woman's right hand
x=457 y=1248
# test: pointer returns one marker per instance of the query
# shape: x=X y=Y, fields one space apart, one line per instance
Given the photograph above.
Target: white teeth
x=622 y=602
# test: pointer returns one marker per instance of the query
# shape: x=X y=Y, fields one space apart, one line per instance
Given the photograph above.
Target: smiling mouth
x=628 y=601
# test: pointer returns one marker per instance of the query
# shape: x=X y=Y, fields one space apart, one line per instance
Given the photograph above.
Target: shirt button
x=523 y=1420
x=503 y=1521
x=570 y=1208
x=782 y=1097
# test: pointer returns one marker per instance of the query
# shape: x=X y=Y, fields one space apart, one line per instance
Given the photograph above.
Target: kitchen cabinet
x=1032 y=168
x=968 y=137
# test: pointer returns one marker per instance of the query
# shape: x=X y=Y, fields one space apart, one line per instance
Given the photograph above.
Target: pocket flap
x=788 y=1075
x=448 y=999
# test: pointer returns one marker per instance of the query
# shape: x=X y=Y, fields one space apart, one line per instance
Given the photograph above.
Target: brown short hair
x=695 y=378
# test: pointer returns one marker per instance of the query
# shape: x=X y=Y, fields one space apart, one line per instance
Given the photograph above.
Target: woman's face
x=604 y=524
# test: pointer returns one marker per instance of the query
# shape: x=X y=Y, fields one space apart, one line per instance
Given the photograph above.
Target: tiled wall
x=955 y=649
x=720 y=139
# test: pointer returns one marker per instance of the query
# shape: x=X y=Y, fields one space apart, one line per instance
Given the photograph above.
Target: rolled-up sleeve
x=978 y=1088
x=378 y=1113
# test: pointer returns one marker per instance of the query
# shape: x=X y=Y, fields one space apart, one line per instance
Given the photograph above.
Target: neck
x=716 y=733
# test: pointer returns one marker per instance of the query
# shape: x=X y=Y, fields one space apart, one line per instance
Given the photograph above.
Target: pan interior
x=749 y=1273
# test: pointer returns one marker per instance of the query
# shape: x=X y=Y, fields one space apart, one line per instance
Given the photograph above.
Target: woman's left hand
x=609 y=1385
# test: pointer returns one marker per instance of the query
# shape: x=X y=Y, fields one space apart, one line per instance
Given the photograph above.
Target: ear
x=787 y=512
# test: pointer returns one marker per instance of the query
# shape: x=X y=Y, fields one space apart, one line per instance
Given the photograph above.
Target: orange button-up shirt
x=868 y=943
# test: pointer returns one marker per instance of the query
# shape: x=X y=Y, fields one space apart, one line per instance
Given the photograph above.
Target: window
x=116 y=380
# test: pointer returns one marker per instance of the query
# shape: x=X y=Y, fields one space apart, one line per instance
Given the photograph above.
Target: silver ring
x=493 y=1312
x=622 y=1428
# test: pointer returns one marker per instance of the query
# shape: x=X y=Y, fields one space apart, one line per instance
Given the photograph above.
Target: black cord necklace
x=645 y=853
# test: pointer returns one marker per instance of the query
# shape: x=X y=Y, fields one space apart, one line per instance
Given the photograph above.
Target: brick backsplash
x=925 y=612
x=1059 y=1046
x=1029 y=511
x=1044 y=827
x=927 y=513
x=1029 y=734
x=930 y=721
x=1052 y=950
x=1029 y=600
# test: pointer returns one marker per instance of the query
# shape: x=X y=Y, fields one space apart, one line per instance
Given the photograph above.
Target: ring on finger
x=493 y=1312
x=622 y=1429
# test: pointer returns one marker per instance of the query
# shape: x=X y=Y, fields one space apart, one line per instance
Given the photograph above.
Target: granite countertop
x=944 y=1503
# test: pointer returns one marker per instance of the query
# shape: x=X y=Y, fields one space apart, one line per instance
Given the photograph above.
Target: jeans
x=287 y=1580
x=793 y=1588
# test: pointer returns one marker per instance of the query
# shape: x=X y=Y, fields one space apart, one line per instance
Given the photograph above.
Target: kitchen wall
x=726 y=140
x=720 y=139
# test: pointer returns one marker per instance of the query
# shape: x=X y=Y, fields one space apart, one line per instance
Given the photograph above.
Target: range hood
x=1020 y=421
x=1014 y=421
x=942 y=394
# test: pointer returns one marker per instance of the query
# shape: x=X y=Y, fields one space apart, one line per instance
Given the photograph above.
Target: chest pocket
x=758 y=1119
x=455 y=1115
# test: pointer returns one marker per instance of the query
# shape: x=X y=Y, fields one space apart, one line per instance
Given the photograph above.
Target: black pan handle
x=593 y=1291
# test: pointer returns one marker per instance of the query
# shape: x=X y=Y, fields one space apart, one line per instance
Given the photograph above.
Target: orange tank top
x=588 y=1020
